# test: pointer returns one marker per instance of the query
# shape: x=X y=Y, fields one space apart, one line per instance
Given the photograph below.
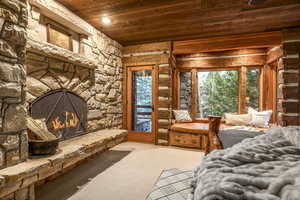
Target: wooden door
x=141 y=111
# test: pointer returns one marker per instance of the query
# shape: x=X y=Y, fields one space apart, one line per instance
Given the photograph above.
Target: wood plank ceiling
x=141 y=21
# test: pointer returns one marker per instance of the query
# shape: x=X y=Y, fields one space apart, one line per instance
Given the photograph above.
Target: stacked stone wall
x=95 y=73
x=13 y=136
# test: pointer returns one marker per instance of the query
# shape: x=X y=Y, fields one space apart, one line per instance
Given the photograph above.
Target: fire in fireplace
x=65 y=112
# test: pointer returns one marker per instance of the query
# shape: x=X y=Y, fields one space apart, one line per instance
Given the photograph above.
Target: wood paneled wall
x=279 y=64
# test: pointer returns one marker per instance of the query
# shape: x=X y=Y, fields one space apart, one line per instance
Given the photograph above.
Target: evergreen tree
x=218 y=93
x=253 y=88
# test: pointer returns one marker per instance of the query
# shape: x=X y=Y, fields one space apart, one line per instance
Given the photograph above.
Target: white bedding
x=244 y=128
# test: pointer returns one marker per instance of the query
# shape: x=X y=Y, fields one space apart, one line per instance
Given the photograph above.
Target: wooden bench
x=194 y=133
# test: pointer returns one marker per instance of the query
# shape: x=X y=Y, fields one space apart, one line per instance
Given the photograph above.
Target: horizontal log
x=164 y=82
x=151 y=47
x=164 y=93
x=288 y=92
x=146 y=60
x=163 y=70
x=235 y=52
x=162 y=125
x=286 y=120
x=291 y=34
x=164 y=103
x=163 y=122
x=291 y=76
x=289 y=63
x=163 y=136
x=163 y=114
x=291 y=48
x=288 y=107
x=203 y=62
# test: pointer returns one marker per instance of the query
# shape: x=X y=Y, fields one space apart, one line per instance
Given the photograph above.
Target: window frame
x=242 y=91
x=62 y=31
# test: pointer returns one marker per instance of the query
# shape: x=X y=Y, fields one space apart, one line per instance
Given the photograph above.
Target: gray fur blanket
x=266 y=167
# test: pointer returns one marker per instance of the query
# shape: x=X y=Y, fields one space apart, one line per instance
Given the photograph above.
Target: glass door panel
x=142 y=101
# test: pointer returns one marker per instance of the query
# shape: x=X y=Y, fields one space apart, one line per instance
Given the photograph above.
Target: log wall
x=158 y=56
x=288 y=79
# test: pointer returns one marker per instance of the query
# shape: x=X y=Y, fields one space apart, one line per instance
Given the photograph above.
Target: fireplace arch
x=64 y=111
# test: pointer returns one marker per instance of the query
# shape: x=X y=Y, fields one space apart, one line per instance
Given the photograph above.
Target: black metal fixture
x=64 y=111
x=255 y=2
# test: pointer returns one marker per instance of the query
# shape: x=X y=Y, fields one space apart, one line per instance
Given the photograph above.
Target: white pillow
x=182 y=116
x=260 y=119
x=237 y=120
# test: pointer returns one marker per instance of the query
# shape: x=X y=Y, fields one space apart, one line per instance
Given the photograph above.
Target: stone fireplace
x=65 y=113
x=99 y=86
x=59 y=92
x=78 y=92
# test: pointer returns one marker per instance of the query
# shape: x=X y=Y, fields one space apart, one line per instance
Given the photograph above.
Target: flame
x=71 y=121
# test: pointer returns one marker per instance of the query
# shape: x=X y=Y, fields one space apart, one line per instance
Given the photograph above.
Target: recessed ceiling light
x=106 y=20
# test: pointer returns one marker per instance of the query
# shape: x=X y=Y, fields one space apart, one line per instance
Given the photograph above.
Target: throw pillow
x=237 y=120
x=260 y=119
x=182 y=116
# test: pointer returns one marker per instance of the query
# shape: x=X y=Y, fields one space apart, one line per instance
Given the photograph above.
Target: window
x=59 y=37
x=142 y=101
x=217 y=93
x=185 y=90
x=252 y=100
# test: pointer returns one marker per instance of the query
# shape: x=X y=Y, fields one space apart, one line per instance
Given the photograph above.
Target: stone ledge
x=50 y=50
x=71 y=151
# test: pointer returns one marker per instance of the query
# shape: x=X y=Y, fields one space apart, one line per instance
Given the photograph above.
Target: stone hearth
x=18 y=181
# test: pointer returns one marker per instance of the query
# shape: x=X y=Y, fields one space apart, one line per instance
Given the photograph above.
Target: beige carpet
x=133 y=177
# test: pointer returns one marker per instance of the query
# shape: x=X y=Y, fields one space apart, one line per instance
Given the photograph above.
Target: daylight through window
x=217 y=93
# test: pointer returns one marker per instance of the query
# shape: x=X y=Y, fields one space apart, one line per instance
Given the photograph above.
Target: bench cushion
x=189 y=127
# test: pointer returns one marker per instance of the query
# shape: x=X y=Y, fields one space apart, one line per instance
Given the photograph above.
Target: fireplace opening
x=64 y=111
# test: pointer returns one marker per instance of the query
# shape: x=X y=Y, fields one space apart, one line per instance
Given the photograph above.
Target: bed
x=266 y=167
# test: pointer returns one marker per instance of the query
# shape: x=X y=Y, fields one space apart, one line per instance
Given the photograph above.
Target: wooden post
x=194 y=95
x=213 y=139
x=242 y=90
x=262 y=89
x=176 y=89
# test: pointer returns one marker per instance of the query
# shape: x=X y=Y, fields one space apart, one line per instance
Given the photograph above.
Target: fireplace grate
x=65 y=113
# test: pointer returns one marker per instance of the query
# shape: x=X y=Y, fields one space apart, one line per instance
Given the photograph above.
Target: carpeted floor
x=129 y=177
x=71 y=182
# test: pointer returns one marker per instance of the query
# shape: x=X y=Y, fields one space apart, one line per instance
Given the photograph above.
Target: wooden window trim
x=241 y=94
x=59 y=29
x=242 y=87
x=141 y=136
